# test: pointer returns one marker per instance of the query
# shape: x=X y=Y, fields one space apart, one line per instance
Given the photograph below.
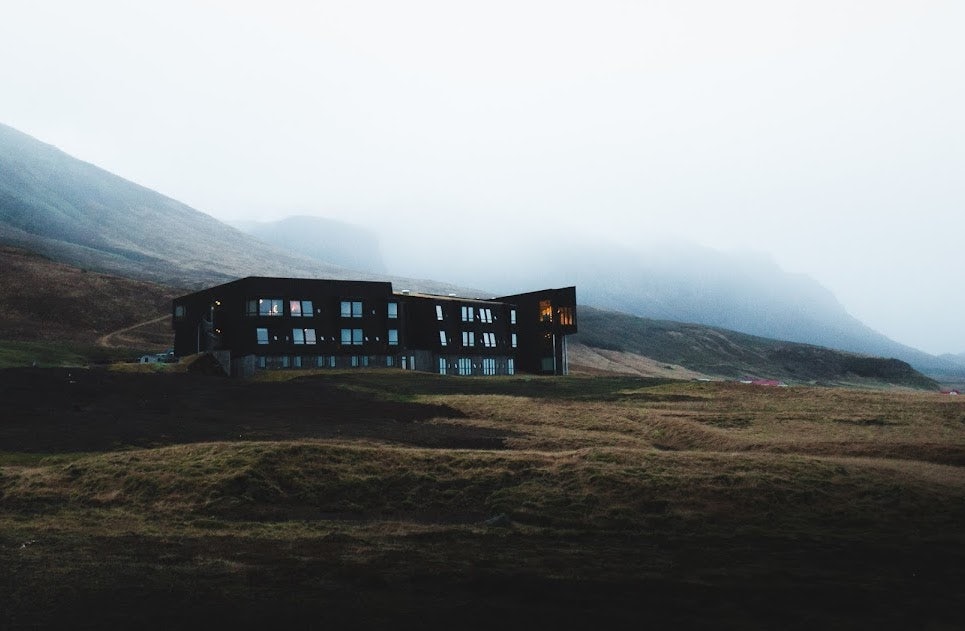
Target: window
x=510 y=366
x=512 y=316
x=442 y=365
x=261 y=335
x=179 y=312
x=442 y=338
x=467 y=314
x=297 y=361
x=438 y=312
x=303 y=336
x=393 y=337
x=566 y=316
x=545 y=311
x=468 y=338
x=489 y=340
x=301 y=308
x=351 y=308
x=514 y=341
x=393 y=310
x=486 y=315
x=351 y=337
x=465 y=366
x=489 y=366
x=390 y=361
x=355 y=361
x=261 y=361
x=265 y=307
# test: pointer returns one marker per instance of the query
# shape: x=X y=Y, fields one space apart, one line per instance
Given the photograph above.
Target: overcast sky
x=829 y=134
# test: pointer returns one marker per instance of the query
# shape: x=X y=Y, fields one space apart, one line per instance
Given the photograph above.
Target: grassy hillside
x=373 y=498
x=47 y=304
x=720 y=352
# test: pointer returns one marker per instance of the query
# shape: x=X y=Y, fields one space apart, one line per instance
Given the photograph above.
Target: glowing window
x=545 y=311
x=566 y=316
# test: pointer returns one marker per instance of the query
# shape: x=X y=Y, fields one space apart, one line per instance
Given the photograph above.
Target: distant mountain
x=684 y=282
x=722 y=353
x=77 y=213
x=324 y=240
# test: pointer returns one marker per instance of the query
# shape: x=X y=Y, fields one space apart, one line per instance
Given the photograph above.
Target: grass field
x=374 y=499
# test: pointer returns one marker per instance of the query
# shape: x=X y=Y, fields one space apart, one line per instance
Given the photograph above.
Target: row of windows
x=306 y=308
x=348 y=337
x=469 y=339
x=356 y=337
x=465 y=366
x=323 y=361
x=462 y=366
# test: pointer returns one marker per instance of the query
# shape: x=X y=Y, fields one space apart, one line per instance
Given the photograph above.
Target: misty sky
x=830 y=135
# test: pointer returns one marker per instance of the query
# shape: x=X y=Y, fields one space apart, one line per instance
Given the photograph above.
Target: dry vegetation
x=375 y=498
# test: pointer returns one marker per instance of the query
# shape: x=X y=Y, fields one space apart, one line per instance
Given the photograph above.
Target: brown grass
x=609 y=499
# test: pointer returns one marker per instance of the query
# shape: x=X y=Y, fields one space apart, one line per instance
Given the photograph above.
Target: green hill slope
x=724 y=353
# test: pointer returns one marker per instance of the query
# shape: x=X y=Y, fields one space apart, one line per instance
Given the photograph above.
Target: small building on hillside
x=265 y=323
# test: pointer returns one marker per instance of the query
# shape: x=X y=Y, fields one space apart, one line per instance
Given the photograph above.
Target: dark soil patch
x=77 y=410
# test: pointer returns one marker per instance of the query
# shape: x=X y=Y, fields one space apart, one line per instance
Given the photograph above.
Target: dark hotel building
x=258 y=323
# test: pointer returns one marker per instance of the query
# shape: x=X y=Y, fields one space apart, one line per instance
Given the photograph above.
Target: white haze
x=828 y=134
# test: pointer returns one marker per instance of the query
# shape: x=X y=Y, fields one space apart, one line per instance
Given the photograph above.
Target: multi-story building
x=259 y=323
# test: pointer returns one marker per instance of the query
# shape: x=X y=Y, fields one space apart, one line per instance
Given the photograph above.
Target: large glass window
x=486 y=315
x=545 y=311
x=351 y=308
x=489 y=366
x=468 y=338
x=261 y=335
x=303 y=336
x=301 y=308
x=489 y=340
x=566 y=316
x=265 y=307
x=510 y=366
x=467 y=314
x=442 y=365
x=393 y=310
x=393 y=337
x=465 y=366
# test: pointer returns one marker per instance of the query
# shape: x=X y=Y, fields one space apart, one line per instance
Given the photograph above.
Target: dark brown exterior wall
x=216 y=319
x=543 y=341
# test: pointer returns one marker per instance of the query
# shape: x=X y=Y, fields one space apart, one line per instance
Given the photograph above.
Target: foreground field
x=371 y=499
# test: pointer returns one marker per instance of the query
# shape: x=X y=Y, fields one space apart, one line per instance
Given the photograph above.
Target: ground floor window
x=510 y=366
x=465 y=366
x=489 y=366
x=442 y=366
